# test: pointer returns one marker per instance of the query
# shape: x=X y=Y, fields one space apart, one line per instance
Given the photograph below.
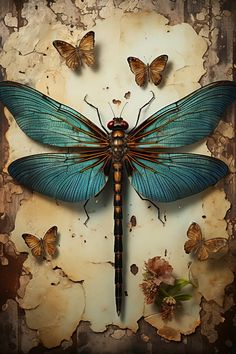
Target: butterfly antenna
x=111 y=110
x=99 y=117
x=123 y=109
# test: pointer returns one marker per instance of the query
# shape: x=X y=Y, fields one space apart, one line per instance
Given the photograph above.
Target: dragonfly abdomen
x=118 y=232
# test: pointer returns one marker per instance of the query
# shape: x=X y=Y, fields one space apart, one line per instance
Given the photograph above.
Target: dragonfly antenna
x=111 y=110
x=123 y=109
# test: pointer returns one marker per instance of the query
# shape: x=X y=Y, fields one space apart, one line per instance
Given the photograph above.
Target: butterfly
x=76 y=56
x=42 y=246
x=146 y=152
x=145 y=72
x=199 y=246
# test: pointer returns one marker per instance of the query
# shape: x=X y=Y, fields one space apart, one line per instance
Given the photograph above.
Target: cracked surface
x=81 y=277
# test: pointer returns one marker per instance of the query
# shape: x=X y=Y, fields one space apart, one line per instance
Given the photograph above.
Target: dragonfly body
x=118 y=146
x=146 y=152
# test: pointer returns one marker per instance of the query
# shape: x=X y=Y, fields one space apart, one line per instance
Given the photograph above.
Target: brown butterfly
x=76 y=56
x=42 y=246
x=201 y=247
x=145 y=72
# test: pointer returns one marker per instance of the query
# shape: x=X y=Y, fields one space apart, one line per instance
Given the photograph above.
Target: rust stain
x=9 y=275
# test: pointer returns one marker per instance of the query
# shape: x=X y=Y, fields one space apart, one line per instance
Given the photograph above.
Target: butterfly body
x=45 y=246
x=76 y=56
x=148 y=72
x=146 y=152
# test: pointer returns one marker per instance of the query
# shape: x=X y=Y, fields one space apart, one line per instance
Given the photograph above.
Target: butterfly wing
x=202 y=252
x=139 y=69
x=86 y=48
x=34 y=243
x=49 y=241
x=214 y=245
x=171 y=176
x=48 y=121
x=186 y=121
x=67 y=177
x=68 y=52
x=156 y=67
x=195 y=237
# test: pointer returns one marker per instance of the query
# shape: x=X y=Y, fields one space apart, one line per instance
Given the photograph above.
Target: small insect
x=199 y=246
x=42 y=246
x=145 y=72
x=78 y=55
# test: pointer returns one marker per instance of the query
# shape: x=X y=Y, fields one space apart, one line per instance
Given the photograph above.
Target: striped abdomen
x=118 y=147
x=118 y=232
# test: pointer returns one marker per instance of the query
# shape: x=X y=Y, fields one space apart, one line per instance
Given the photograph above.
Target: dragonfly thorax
x=117 y=124
x=118 y=144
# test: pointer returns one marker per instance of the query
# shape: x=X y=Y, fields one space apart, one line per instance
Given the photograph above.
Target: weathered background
x=211 y=20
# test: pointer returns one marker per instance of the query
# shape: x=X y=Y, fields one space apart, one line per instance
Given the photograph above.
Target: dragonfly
x=149 y=153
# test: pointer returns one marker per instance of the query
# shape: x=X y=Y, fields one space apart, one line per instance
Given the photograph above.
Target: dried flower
x=157 y=271
x=150 y=290
x=160 y=270
x=168 y=308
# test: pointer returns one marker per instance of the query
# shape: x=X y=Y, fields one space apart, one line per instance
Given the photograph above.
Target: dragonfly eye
x=124 y=125
x=110 y=125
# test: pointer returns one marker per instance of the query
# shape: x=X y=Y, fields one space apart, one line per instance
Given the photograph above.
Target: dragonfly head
x=117 y=124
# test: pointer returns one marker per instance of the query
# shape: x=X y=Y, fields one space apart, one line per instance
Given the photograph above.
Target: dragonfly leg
x=158 y=209
x=86 y=221
x=140 y=110
x=99 y=117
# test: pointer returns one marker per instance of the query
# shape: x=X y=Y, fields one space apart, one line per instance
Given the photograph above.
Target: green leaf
x=179 y=285
x=182 y=297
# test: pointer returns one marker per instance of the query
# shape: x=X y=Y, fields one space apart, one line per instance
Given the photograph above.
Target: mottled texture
x=85 y=255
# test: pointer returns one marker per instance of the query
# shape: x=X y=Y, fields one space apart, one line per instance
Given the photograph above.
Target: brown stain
x=211 y=316
x=169 y=333
x=134 y=269
x=118 y=102
x=19 y=6
x=9 y=276
x=133 y=222
x=127 y=95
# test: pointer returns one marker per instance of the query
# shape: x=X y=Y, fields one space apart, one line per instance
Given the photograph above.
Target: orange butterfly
x=201 y=247
x=76 y=56
x=145 y=72
x=45 y=246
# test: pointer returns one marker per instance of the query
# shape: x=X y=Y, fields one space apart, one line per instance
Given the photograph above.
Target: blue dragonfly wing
x=48 y=121
x=174 y=176
x=187 y=120
x=66 y=177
